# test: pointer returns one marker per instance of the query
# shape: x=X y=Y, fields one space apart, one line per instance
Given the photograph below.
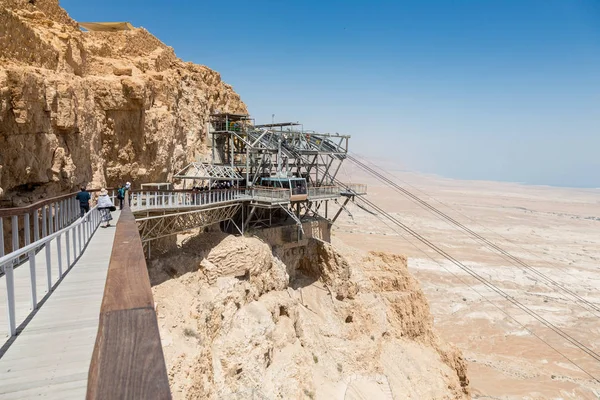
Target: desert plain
x=555 y=232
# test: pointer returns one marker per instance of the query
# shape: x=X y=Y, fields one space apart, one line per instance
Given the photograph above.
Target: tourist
x=105 y=205
x=121 y=195
x=84 y=201
x=128 y=191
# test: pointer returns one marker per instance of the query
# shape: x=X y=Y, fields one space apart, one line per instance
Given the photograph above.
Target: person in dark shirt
x=84 y=201
x=121 y=195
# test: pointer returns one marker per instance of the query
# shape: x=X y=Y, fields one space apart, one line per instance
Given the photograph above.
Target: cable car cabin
x=296 y=186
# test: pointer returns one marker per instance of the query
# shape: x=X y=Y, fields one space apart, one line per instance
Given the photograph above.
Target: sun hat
x=103 y=192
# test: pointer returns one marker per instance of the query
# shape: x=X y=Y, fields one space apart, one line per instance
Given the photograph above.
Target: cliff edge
x=95 y=108
x=238 y=322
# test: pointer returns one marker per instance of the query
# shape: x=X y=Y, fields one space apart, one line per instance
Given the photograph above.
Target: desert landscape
x=361 y=311
x=554 y=230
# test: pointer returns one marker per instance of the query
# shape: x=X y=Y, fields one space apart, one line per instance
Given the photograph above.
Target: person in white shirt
x=105 y=205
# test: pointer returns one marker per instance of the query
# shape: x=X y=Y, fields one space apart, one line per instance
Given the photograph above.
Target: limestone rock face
x=237 y=323
x=95 y=108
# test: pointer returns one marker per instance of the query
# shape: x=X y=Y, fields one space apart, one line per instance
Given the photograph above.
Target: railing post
x=59 y=254
x=1 y=237
x=10 y=297
x=86 y=227
x=15 y=233
x=56 y=216
x=59 y=212
x=36 y=225
x=27 y=228
x=65 y=214
x=50 y=219
x=79 y=238
x=44 y=222
x=67 y=247
x=74 y=233
x=33 y=280
x=73 y=210
x=48 y=266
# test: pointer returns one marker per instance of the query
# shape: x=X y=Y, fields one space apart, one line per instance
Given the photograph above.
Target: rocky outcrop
x=237 y=323
x=95 y=108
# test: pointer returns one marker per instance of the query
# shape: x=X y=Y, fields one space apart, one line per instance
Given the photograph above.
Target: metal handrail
x=317 y=191
x=38 y=220
x=357 y=188
x=263 y=192
x=82 y=232
x=141 y=200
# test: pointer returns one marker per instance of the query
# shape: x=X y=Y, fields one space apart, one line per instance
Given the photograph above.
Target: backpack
x=121 y=193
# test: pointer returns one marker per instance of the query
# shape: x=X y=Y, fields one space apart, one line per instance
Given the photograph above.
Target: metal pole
x=80 y=242
x=56 y=217
x=27 y=229
x=88 y=226
x=50 y=218
x=74 y=233
x=32 y=278
x=44 y=222
x=36 y=225
x=59 y=254
x=231 y=144
x=212 y=137
x=10 y=295
x=1 y=237
x=15 y=233
x=48 y=266
x=63 y=214
x=68 y=248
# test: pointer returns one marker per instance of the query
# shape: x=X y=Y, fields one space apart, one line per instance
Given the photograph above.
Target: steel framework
x=197 y=171
x=265 y=150
x=166 y=224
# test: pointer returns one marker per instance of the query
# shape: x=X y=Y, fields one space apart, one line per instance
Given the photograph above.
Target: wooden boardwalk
x=50 y=358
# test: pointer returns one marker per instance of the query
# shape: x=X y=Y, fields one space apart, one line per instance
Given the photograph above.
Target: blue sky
x=498 y=90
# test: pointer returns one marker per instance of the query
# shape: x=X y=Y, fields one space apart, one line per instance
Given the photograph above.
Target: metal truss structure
x=197 y=171
x=264 y=150
x=165 y=224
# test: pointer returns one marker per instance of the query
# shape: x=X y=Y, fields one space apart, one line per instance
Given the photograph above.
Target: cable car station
x=278 y=172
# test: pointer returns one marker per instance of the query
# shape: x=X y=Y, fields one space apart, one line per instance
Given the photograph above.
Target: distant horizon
x=397 y=168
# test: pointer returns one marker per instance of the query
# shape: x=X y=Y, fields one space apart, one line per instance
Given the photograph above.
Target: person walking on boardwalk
x=105 y=205
x=121 y=196
x=84 y=201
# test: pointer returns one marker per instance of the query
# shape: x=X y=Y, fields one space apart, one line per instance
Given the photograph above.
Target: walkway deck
x=50 y=358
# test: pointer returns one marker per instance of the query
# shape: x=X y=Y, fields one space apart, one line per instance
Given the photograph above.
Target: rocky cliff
x=237 y=322
x=95 y=108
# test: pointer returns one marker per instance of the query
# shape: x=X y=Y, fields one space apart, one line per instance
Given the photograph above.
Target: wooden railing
x=128 y=361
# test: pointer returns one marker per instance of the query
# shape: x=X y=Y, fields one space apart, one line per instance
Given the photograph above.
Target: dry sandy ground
x=554 y=230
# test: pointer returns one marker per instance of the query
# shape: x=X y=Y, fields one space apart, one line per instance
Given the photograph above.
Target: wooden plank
x=128 y=283
x=129 y=362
